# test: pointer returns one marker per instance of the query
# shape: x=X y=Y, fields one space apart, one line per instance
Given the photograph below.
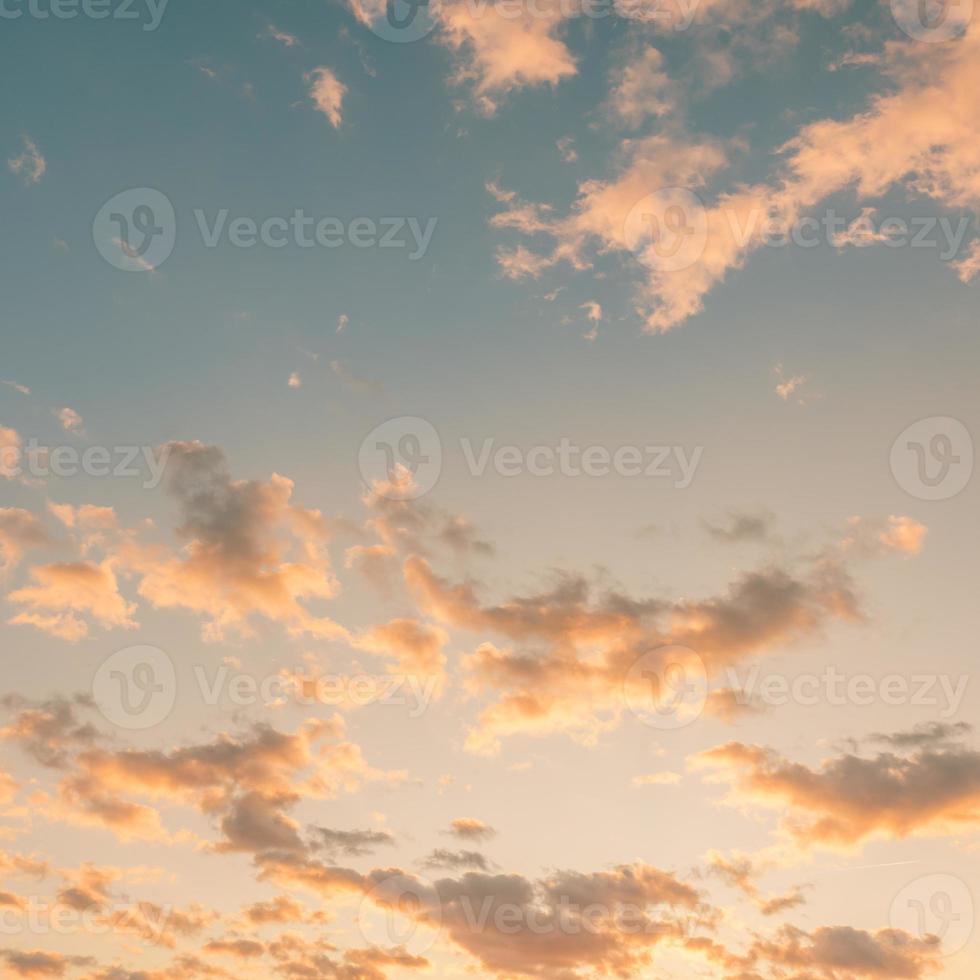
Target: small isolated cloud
x=566 y=147
x=287 y=40
x=23 y=389
x=741 y=526
x=295 y=381
x=786 y=387
x=343 y=322
x=593 y=312
x=457 y=860
x=70 y=420
x=327 y=93
x=30 y=166
x=469 y=828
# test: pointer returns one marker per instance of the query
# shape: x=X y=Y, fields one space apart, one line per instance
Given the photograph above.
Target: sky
x=486 y=489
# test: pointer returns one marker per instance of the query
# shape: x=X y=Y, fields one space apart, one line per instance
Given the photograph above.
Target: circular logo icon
x=933 y=458
x=938 y=905
x=401 y=459
x=668 y=230
x=136 y=688
x=401 y=910
x=933 y=20
x=136 y=230
x=400 y=20
x=667 y=687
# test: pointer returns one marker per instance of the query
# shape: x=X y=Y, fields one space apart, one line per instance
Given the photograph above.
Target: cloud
x=19 y=388
x=641 y=89
x=20 y=531
x=10 y=453
x=846 y=954
x=787 y=387
x=919 y=135
x=353 y=843
x=49 y=731
x=471 y=829
x=500 y=48
x=30 y=165
x=63 y=593
x=573 y=651
x=849 y=799
x=70 y=420
x=38 y=963
x=284 y=38
x=899 y=534
x=327 y=93
x=246 y=782
x=457 y=860
x=248 y=550
x=741 y=526
x=295 y=381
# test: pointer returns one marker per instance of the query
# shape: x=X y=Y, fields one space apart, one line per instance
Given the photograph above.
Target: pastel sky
x=487 y=489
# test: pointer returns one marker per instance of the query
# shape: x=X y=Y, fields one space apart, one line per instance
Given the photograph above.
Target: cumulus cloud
x=848 y=799
x=248 y=550
x=20 y=531
x=919 y=135
x=64 y=596
x=500 y=47
x=70 y=420
x=572 y=650
x=469 y=828
x=30 y=164
x=327 y=93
